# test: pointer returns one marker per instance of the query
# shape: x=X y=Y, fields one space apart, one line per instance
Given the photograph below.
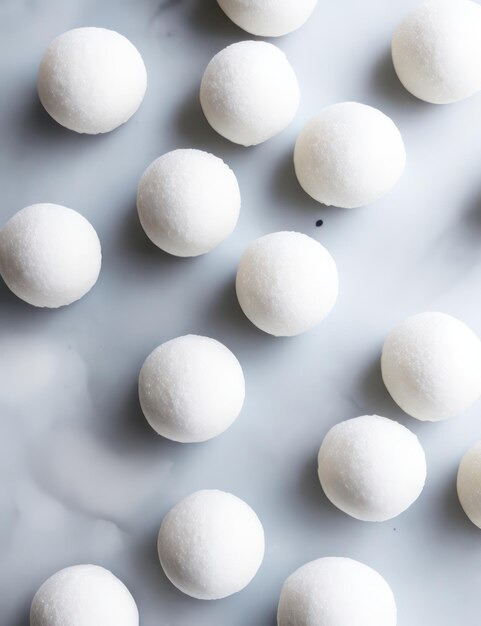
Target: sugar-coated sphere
x=336 y=591
x=188 y=202
x=437 y=50
x=469 y=483
x=91 y=80
x=83 y=595
x=266 y=18
x=49 y=255
x=249 y=92
x=211 y=544
x=191 y=388
x=286 y=283
x=431 y=366
x=349 y=155
x=371 y=467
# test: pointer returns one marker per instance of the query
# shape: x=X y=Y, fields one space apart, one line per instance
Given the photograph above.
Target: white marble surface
x=82 y=477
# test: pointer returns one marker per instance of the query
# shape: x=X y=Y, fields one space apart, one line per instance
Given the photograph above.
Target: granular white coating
x=469 y=483
x=336 y=591
x=431 y=366
x=50 y=255
x=268 y=18
x=211 y=544
x=371 y=467
x=91 y=80
x=191 y=388
x=436 y=50
x=83 y=595
x=249 y=92
x=188 y=202
x=349 y=155
x=286 y=283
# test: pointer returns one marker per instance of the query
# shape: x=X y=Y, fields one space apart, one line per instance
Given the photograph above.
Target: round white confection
x=249 y=92
x=437 y=50
x=469 y=483
x=83 y=595
x=349 y=155
x=191 y=388
x=336 y=591
x=371 y=468
x=91 y=80
x=266 y=18
x=211 y=545
x=286 y=283
x=188 y=202
x=49 y=255
x=431 y=366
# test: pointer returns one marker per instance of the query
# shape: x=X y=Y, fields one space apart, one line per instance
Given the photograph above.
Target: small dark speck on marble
x=319 y=223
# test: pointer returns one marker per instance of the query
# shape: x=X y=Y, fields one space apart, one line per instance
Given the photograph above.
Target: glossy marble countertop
x=82 y=476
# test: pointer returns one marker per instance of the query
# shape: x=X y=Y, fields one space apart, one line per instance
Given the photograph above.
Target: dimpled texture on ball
x=469 y=483
x=372 y=468
x=49 y=255
x=349 y=155
x=188 y=202
x=83 y=595
x=286 y=283
x=211 y=544
x=336 y=591
x=249 y=92
x=191 y=388
x=431 y=366
x=436 y=51
x=268 y=18
x=91 y=80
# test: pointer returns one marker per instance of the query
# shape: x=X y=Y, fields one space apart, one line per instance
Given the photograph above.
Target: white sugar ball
x=286 y=283
x=431 y=366
x=437 y=50
x=49 y=255
x=91 y=80
x=349 y=155
x=188 y=202
x=249 y=92
x=83 y=595
x=211 y=544
x=336 y=591
x=469 y=483
x=266 y=18
x=191 y=388
x=371 y=467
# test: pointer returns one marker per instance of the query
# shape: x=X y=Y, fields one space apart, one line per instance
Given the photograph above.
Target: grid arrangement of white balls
x=211 y=544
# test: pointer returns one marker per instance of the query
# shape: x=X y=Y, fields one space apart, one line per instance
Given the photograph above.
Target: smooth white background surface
x=82 y=477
